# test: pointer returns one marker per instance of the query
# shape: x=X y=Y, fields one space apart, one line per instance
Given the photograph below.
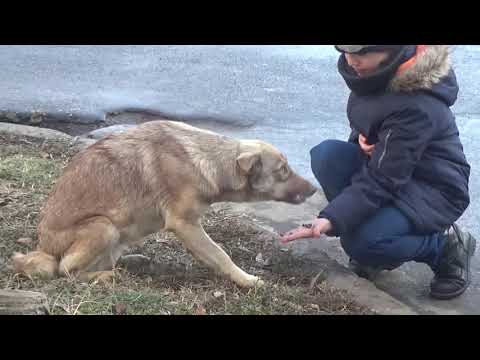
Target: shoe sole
x=472 y=245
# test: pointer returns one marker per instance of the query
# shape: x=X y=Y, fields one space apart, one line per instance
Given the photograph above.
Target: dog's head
x=269 y=174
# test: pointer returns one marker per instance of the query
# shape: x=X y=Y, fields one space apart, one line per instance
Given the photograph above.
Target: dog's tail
x=35 y=263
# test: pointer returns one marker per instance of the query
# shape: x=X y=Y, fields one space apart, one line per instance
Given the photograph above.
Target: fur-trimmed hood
x=430 y=68
x=413 y=68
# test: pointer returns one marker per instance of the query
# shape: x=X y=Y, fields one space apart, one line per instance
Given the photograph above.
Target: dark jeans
x=385 y=240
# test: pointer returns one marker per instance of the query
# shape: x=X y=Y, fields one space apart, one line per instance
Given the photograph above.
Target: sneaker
x=452 y=274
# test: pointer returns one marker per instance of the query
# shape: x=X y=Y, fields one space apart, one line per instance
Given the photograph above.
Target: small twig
x=55 y=302
x=82 y=303
x=315 y=279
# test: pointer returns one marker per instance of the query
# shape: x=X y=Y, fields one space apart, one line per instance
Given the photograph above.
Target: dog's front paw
x=251 y=281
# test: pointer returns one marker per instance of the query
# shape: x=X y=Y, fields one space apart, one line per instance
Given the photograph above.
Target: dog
x=161 y=175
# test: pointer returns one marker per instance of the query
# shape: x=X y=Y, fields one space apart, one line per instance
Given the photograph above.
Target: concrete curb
x=78 y=143
x=34 y=131
x=365 y=292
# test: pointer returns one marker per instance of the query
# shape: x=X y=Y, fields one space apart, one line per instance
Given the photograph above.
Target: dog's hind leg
x=95 y=249
x=204 y=249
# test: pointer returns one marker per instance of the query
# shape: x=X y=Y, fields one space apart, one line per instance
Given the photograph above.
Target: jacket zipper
x=385 y=148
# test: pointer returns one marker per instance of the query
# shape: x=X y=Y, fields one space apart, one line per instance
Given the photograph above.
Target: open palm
x=317 y=228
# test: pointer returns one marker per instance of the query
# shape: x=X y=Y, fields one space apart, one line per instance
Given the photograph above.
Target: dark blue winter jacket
x=418 y=163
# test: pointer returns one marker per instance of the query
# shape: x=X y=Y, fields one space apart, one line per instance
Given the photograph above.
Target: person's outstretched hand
x=317 y=228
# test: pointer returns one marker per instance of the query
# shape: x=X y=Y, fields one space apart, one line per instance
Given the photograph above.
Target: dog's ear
x=248 y=161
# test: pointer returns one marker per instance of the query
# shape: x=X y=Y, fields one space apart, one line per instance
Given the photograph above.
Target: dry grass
x=172 y=282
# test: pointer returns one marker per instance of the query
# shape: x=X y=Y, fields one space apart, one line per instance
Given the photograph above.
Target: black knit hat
x=362 y=49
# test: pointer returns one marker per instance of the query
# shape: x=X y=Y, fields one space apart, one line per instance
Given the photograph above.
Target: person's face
x=365 y=64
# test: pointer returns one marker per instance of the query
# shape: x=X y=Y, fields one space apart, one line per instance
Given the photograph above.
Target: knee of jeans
x=322 y=156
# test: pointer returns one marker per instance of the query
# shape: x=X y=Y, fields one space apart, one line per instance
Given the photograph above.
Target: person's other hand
x=319 y=227
x=366 y=147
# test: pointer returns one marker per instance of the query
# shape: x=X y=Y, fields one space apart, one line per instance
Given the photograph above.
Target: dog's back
x=131 y=174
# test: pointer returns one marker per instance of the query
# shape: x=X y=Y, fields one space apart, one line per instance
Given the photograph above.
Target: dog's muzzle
x=300 y=198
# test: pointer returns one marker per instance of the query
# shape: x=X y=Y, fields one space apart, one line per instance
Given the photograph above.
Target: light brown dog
x=162 y=175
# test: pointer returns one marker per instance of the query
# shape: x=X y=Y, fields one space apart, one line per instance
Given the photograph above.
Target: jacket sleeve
x=403 y=138
x=353 y=137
